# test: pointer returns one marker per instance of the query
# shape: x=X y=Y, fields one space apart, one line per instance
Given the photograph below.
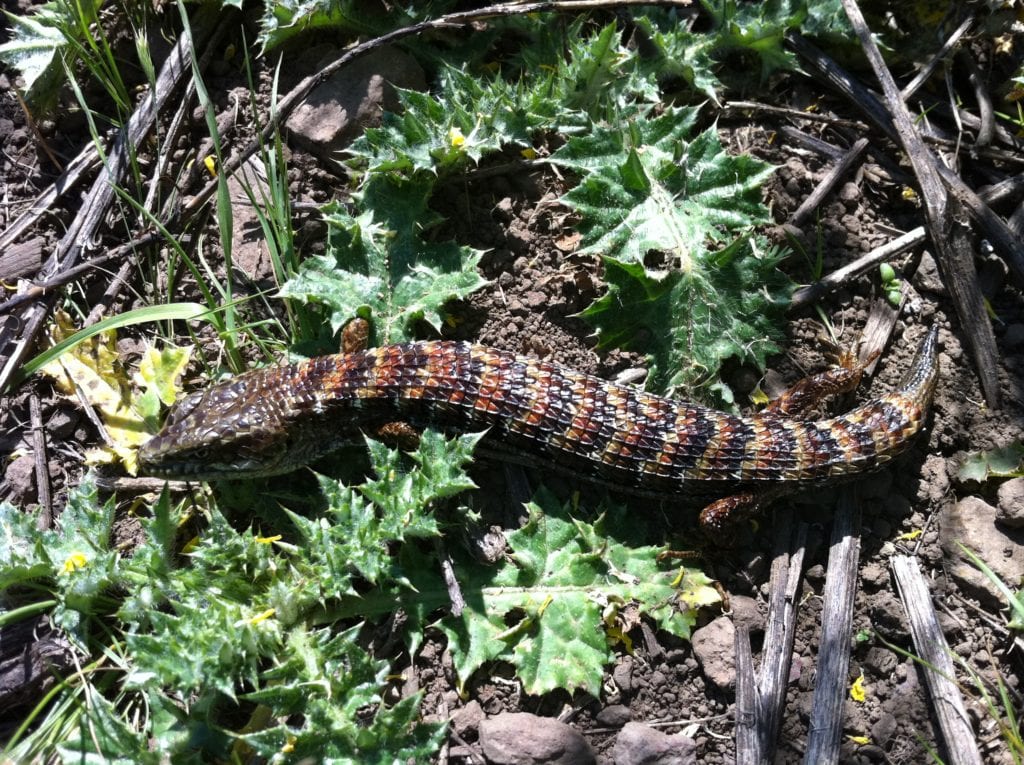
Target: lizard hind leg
x=806 y=394
x=795 y=403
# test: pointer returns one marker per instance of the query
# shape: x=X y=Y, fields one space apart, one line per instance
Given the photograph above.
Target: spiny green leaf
x=104 y=738
x=680 y=53
x=646 y=188
x=395 y=506
x=285 y=19
x=23 y=548
x=547 y=608
x=727 y=305
x=324 y=683
x=379 y=267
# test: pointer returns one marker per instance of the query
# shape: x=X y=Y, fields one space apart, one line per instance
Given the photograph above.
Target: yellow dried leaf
x=759 y=397
x=860 y=740
x=910 y=536
x=91 y=372
x=857 y=691
x=160 y=371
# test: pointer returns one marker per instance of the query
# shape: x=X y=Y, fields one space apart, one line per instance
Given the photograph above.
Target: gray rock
x=637 y=744
x=524 y=739
x=972 y=522
x=713 y=645
x=927 y=278
x=335 y=113
x=1010 y=504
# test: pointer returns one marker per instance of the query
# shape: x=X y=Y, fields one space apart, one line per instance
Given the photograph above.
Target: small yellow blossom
x=456 y=138
x=910 y=536
x=268 y=540
x=860 y=740
x=74 y=562
x=529 y=153
x=211 y=165
x=263 y=617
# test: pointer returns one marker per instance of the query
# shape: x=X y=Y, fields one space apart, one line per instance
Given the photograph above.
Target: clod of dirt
x=466 y=721
x=972 y=523
x=614 y=716
x=713 y=646
x=746 y=613
x=623 y=675
x=1010 y=504
x=525 y=739
x=638 y=744
x=21 y=479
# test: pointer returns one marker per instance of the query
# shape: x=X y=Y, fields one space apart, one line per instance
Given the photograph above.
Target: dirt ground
x=536 y=287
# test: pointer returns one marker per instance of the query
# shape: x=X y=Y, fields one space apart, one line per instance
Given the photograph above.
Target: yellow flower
x=268 y=540
x=263 y=617
x=74 y=562
x=456 y=138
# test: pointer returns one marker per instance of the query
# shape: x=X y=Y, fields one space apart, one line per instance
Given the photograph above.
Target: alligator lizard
x=277 y=419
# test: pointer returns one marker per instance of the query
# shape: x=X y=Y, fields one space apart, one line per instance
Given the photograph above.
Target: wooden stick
x=943 y=52
x=824 y=735
x=939 y=672
x=42 y=465
x=816 y=197
x=813 y=292
x=811 y=143
x=796 y=114
x=986 y=115
x=764 y=695
x=837 y=278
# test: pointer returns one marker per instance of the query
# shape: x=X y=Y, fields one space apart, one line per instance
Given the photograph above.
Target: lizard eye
x=201 y=453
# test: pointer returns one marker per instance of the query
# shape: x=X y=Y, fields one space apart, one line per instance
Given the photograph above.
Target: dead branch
x=17 y=339
x=761 y=697
x=826 y=726
x=935 y=659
